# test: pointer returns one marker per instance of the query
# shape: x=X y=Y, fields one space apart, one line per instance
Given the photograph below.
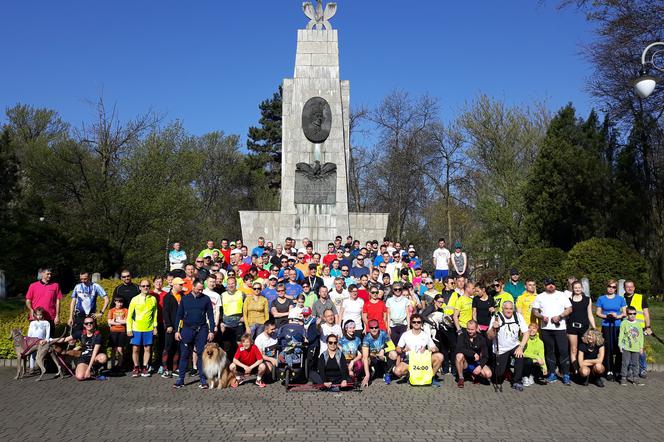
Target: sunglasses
x=631 y=314
x=145 y=286
x=428 y=283
x=495 y=285
x=373 y=328
x=416 y=322
x=331 y=342
x=199 y=261
x=89 y=323
x=374 y=293
x=257 y=288
x=396 y=290
x=344 y=270
x=125 y=276
x=612 y=287
x=281 y=291
x=382 y=267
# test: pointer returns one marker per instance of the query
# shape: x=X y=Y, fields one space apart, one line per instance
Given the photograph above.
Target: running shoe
x=178 y=385
x=166 y=374
x=623 y=382
x=335 y=389
x=161 y=370
x=387 y=378
x=136 y=372
x=599 y=382
x=435 y=383
x=643 y=374
x=145 y=373
x=193 y=372
x=203 y=386
x=566 y=380
x=260 y=384
x=518 y=386
x=101 y=377
x=638 y=382
x=552 y=378
x=460 y=383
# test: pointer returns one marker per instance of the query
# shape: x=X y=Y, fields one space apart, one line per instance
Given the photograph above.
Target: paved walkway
x=148 y=409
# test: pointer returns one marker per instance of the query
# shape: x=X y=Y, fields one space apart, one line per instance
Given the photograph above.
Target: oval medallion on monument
x=316 y=120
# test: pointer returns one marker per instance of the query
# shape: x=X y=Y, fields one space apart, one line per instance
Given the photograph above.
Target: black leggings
x=530 y=368
x=556 y=344
x=170 y=355
x=612 y=354
x=503 y=362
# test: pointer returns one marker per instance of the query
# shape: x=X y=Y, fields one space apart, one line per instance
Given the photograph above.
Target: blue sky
x=210 y=62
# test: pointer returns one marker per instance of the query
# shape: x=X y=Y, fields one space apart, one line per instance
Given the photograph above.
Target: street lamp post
x=645 y=84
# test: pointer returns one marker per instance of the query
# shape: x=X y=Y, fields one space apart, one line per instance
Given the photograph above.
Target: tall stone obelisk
x=315 y=153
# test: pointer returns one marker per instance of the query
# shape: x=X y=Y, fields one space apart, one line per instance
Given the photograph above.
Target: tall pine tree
x=264 y=159
x=567 y=189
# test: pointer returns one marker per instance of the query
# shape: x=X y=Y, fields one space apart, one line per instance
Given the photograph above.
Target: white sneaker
x=526 y=382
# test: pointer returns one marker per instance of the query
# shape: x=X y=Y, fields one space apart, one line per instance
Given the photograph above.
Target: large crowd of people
x=353 y=315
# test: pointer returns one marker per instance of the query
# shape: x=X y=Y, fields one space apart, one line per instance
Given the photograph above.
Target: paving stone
x=149 y=409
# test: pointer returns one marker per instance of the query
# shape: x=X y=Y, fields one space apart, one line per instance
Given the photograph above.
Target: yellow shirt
x=502 y=297
x=524 y=305
x=255 y=311
x=465 y=306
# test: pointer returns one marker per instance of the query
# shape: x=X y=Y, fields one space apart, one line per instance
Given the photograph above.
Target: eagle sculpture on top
x=319 y=18
x=317 y=171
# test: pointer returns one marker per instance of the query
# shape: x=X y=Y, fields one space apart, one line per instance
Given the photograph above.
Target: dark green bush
x=600 y=259
x=542 y=262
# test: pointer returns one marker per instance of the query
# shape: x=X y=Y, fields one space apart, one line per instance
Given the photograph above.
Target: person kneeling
x=332 y=367
x=504 y=331
x=472 y=354
x=416 y=340
x=377 y=357
x=534 y=362
x=247 y=360
x=591 y=355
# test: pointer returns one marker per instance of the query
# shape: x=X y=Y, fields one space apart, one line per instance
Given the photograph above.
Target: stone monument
x=315 y=154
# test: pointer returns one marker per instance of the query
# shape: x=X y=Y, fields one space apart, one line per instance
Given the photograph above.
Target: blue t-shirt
x=293 y=289
x=357 y=272
x=270 y=295
x=611 y=306
x=257 y=251
x=376 y=344
x=350 y=347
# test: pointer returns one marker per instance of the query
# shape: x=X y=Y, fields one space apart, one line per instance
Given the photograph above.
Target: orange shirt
x=115 y=314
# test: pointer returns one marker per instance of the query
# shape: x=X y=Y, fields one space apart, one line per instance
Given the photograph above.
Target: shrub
x=600 y=259
x=542 y=262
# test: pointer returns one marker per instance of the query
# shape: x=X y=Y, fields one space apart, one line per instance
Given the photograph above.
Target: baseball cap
x=236 y=252
x=427 y=280
x=548 y=281
x=273 y=277
x=306 y=311
x=457 y=245
x=411 y=249
x=373 y=323
x=178 y=281
x=513 y=271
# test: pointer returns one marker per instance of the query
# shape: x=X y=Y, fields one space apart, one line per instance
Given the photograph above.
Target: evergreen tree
x=567 y=190
x=264 y=159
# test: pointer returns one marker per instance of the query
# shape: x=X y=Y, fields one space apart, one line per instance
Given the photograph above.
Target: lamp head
x=645 y=84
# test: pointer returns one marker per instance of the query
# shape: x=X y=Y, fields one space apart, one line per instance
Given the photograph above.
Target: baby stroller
x=292 y=358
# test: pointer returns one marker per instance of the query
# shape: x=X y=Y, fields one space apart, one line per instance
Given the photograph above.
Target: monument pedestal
x=315 y=154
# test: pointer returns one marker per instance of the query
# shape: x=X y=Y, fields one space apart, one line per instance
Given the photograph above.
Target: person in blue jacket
x=195 y=326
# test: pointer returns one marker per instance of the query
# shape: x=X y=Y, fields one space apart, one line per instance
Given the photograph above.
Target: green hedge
x=15 y=315
x=540 y=263
x=600 y=259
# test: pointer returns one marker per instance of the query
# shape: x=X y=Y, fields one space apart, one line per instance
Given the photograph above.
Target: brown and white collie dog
x=215 y=366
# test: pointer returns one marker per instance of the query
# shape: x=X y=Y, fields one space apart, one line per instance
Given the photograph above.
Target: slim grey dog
x=25 y=346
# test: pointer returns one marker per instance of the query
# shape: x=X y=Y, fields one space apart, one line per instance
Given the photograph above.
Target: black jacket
x=470 y=348
x=169 y=310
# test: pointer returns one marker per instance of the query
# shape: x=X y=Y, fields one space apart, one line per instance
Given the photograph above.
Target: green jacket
x=534 y=349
